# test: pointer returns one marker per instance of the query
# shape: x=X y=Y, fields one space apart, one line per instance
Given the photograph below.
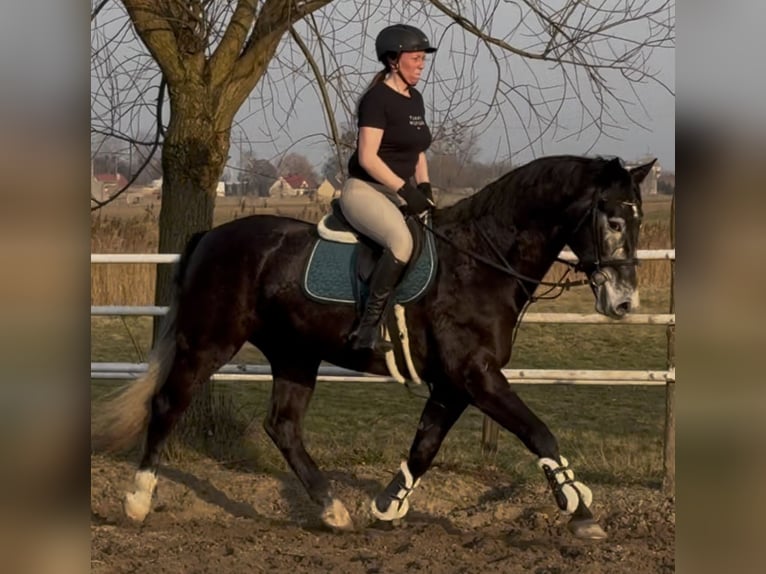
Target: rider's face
x=411 y=65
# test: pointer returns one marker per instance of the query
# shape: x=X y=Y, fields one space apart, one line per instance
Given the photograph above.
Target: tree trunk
x=193 y=158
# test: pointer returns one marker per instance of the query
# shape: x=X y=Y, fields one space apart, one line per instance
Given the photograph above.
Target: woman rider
x=390 y=153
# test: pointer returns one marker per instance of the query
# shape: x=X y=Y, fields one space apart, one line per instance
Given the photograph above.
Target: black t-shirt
x=405 y=133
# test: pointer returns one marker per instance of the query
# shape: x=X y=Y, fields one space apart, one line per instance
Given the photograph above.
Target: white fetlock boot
x=392 y=503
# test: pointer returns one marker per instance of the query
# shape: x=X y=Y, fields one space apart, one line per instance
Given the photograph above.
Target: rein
x=505 y=267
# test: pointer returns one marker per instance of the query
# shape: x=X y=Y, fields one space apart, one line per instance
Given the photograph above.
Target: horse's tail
x=120 y=420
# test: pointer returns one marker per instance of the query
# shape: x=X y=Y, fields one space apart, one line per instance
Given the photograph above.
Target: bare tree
x=259 y=175
x=184 y=69
x=211 y=55
x=335 y=165
x=297 y=164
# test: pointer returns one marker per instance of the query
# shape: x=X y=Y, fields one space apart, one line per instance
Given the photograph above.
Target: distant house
x=281 y=188
x=290 y=186
x=299 y=183
x=154 y=190
x=138 y=194
x=97 y=189
x=107 y=184
x=327 y=191
x=649 y=185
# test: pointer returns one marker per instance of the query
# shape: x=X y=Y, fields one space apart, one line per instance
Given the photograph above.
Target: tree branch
x=150 y=155
x=97 y=9
x=320 y=83
x=224 y=57
x=476 y=31
x=157 y=34
x=274 y=19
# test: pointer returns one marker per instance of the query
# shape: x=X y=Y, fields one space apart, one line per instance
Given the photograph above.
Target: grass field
x=614 y=433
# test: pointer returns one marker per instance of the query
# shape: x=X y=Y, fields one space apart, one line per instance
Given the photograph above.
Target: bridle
x=593 y=267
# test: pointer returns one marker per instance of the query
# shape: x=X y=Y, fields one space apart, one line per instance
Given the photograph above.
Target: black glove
x=417 y=203
x=425 y=188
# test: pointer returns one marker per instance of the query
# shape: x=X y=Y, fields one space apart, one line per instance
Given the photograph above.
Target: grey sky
x=458 y=73
x=285 y=111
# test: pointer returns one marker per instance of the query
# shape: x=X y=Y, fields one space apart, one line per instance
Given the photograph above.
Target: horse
x=241 y=282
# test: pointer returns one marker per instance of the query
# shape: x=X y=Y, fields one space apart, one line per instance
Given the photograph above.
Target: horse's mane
x=550 y=179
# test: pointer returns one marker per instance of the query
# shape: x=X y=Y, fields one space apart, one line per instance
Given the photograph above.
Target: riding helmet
x=401 y=38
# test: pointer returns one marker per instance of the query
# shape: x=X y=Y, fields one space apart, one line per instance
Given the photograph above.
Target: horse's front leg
x=442 y=409
x=490 y=392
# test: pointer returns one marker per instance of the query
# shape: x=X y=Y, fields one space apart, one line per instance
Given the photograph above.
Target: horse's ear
x=612 y=170
x=615 y=163
x=639 y=173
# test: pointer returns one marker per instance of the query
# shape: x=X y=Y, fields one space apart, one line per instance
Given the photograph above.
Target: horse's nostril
x=623 y=308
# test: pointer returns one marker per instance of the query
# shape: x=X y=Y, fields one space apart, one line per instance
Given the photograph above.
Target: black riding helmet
x=401 y=38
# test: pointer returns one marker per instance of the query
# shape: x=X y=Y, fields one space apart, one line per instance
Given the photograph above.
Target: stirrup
x=379 y=343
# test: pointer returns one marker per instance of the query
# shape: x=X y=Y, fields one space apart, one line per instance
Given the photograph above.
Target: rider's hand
x=417 y=202
x=425 y=188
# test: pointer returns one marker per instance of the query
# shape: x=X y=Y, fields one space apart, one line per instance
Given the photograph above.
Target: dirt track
x=211 y=519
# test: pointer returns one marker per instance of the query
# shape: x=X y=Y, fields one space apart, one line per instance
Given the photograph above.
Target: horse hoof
x=587 y=529
x=137 y=505
x=336 y=516
x=394 y=512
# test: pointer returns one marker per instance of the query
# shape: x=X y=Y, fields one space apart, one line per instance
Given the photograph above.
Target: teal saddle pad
x=331 y=276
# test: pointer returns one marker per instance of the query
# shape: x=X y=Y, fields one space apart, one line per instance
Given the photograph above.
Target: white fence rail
x=644 y=254
x=329 y=373
x=338 y=374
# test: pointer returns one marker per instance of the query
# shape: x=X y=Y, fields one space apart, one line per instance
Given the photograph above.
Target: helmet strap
x=395 y=68
x=406 y=83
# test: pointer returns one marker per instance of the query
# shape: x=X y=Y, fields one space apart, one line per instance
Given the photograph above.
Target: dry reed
x=133 y=284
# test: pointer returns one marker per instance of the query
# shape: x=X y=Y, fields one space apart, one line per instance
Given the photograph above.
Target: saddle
x=342 y=261
x=335 y=227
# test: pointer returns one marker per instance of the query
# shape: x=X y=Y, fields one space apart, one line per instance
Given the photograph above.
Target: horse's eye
x=616 y=225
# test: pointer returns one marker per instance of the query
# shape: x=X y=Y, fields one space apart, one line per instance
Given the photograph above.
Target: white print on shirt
x=417 y=121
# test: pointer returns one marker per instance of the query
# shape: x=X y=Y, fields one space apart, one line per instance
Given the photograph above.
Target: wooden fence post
x=669 y=455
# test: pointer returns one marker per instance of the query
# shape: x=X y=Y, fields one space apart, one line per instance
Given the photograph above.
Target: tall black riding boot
x=383 y=281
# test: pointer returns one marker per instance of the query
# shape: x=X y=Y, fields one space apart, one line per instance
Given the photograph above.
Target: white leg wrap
x=562 y=482
x=139 y=502
x=392 y=503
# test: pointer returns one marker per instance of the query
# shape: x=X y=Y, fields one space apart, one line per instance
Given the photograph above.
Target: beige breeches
x=372 y=209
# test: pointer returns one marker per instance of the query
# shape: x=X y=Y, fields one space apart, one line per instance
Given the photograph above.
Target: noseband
x=593 y=267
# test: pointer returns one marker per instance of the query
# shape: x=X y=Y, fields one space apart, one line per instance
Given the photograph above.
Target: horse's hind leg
x=491 y=393
x=187 y=372
x=441 y=411
x=294 y=383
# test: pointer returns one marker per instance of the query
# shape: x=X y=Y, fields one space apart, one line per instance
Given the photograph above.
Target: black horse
x=241 y=282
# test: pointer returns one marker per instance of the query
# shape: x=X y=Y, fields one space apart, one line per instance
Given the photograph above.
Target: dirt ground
x=208 y=518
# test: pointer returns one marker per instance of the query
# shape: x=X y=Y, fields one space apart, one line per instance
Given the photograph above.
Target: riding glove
x=425 y=188
x=417 y=202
